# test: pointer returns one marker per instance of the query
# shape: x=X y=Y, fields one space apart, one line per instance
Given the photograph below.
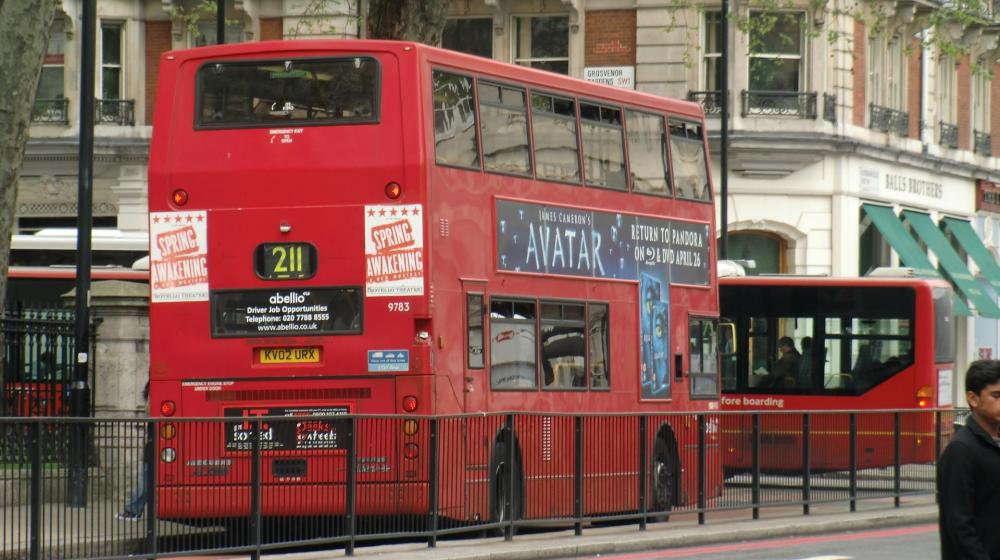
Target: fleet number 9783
x=399 y=306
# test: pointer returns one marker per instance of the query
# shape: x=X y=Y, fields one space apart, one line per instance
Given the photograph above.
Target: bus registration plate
x=304 y=355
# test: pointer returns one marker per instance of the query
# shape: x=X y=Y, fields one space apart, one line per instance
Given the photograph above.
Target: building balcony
x=115 y=111
x=983 y=144
x=55 y=111
x=779 y=104
x=948 y=135
x=710 y=101
x=889 y=120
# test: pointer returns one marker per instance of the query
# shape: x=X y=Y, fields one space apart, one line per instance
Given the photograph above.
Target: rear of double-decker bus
x=287 y=279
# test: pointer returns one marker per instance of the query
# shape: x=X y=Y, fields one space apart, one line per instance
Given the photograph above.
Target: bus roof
x=858 y=281
x=442 y=57
x=65 y=239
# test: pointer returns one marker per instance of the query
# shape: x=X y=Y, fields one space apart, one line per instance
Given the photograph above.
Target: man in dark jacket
x=968 y=475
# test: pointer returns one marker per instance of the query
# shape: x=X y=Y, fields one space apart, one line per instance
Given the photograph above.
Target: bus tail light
x=924 y=395
x=168 y=408
x=410 y=427
x=180 y=197
x=411 y=451
x=168 y=431
x=393 y=190
x=168 y=455
x=410 y=403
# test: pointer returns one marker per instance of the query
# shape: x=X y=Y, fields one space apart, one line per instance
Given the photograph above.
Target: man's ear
x=972 y=398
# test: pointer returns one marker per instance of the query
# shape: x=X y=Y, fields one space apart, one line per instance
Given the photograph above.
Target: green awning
x=969 y=240
x=909 y=252
x=954 y=266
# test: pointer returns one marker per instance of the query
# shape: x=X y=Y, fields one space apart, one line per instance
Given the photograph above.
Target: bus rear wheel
x=505 y=500
x=664 y=474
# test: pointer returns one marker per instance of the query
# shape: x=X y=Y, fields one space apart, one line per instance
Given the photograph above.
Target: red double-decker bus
x=811 y=343
x=364 y=227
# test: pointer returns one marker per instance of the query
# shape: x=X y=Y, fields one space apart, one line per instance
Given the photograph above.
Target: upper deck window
x=266 y=93
x=455 y=141
x=504 y=115
x=687 y=157
x=647 y=152
x=603 y=147
x=553 y=123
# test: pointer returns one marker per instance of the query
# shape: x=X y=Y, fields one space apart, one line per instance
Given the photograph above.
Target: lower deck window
x=558 y=345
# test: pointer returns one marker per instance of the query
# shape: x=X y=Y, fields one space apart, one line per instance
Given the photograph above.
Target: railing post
x=701 y=469
x=35 y=511
x=255 y=517
x=350 y=490
x=755 y=464
x=937 y=443
x=508 y=533
x=897 y=452
x=643 y=475
x=432 y=460
x=854 y=461
x=806 y=463
x=578 y=477
x=149 y=459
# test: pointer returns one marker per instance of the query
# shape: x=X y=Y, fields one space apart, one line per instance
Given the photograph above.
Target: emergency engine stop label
x=394 y=248
x=178 y=256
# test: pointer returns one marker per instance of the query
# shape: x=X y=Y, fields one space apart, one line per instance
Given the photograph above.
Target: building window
x=761 y=250
x=469 y=35
x=50 y=97
x=886 y=72
x=776 y=44
x=111 y=61
x=712 y=52
x=980 y=102
x=542 y=42
x=946 y=94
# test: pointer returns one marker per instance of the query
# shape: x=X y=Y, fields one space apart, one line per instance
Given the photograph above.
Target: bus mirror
x=727 y=338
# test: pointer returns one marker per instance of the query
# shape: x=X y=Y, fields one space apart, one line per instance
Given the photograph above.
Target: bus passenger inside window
x=603 y=146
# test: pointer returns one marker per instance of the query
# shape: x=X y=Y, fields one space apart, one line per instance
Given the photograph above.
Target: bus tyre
x=505 y=500
x=664 y=475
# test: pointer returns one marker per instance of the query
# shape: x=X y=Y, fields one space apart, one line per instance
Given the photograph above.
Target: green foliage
x=195 y=12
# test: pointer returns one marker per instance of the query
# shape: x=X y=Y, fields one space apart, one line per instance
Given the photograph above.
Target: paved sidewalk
x=681 y=531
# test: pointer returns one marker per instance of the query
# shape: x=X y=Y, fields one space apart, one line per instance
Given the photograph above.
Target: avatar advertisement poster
x=654 y=252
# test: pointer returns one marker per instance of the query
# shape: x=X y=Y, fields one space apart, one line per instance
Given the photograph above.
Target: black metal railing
x=830 y=107
x=948 y=135
x=779 y=104
x=39 y=350
x=334 y=481
x=115 y=111
x=50 y=111
x=889 y=120
x=711 y=101
x=982 y=143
